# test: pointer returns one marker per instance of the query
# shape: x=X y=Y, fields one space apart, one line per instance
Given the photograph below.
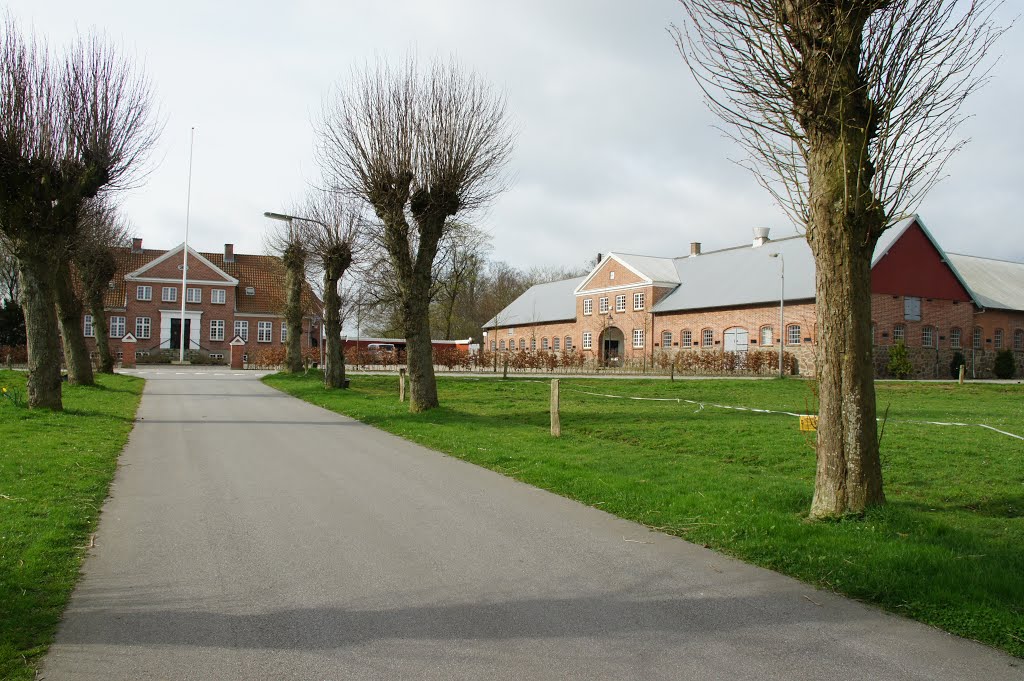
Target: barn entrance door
x=736 y=339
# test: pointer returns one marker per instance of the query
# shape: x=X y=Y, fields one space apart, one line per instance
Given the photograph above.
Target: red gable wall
x=914 y=267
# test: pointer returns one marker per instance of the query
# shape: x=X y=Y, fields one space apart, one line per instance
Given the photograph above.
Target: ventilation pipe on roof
x=694 y=248
x=229 y=252
x=137 y=245
x=599 y=257
x=761 y=236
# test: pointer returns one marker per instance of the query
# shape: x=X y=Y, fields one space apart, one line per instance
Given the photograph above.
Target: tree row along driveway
x=252 y=536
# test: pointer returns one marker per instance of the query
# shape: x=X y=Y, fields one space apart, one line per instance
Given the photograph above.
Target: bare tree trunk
x=69 y=315
x=99 y=325
x=41 y=329
x=335 y=373
x=294 y=269
x=419 y=351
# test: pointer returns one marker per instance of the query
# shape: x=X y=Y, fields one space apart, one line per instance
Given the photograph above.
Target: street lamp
x=782 y=306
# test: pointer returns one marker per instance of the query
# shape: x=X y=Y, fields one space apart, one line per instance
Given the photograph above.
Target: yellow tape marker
x=809 y=423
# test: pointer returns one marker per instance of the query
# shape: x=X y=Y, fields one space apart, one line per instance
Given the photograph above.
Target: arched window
x=977 y=338
x=666 y=339
x=766 y=336
x=685 y=338
x=1018 y=340
x=899 y=334
x=544 y=343
x=793 y=334
x=954 y=338
x=533 y=342
x=555 y=343
x=522 y=343
x=927 y=337
x=707 y=338
x=568 y=343
x=997 y=339
x=501 y=344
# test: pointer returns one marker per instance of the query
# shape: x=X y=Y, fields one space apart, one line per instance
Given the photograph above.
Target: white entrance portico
x=194 y=325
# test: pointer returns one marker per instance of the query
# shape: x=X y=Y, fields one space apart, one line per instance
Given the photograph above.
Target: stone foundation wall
x=935 y=363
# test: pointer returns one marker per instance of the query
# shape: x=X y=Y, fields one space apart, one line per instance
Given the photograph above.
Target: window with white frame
x=766 y=336
x=556 y=343
x=87 y=329
x=927 y=337
x=117 y=327
x=977 y=338
x=522 y=344
x=707 y=338
x=533 y=342
x=620 y=303
x=793 y=334
x=216 y=329
x=544 y=343
x=143 y=293
x=588 y=306
x=639 y=300
x=284 y=332
x=997 y=339
x=501 y=344
x=1018 y=340
x=912 y=308
x=218 y=296
x=242 y=329
x=143 y=326
x=588 y=340
x=602 y=305
x=899 y=333
x=264 y=332
x=193 y=295
x=666 y=339
x=169 y=294
x=494 y=344
x=638 y=338
x=954 y=338
x=685 y=338
x=568 y=343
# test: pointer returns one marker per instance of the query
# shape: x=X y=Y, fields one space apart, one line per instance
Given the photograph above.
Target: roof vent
x=250 y=290
x=694 y=248
x=761 y=236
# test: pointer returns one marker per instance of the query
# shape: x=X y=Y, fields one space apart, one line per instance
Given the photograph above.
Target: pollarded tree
x=421 y=148
x=68 y=130
x=331 y=231
x=847 y=110
x=287 y=242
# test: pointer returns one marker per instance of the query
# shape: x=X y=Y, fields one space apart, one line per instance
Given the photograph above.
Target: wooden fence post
x=401 y=384
x=556 y=422
x=962 y=370
x=672 y=371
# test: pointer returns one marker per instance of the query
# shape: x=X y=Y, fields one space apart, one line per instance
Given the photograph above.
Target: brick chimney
x=137 y=245
x=761 y=236
x=694 y=248
x=229 y=252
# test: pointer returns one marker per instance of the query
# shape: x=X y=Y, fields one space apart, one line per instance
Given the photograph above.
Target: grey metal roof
x=658 y=270
x=742 y=276
x=551 y=302
x=995 y=284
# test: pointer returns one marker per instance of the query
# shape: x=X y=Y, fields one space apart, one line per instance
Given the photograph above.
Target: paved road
x=251 y=536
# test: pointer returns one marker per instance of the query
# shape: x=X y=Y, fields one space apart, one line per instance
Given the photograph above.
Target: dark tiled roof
x=264 y=273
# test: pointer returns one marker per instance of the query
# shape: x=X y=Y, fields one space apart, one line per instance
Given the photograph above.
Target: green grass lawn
x=55 y=470
x=948 y=548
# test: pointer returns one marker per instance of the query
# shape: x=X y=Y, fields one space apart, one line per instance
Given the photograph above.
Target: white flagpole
x=182 y=340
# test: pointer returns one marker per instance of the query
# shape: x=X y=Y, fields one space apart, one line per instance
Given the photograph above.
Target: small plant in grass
x=1004 y=366
x=16 y=397
x=899 y=363
x=957 y=362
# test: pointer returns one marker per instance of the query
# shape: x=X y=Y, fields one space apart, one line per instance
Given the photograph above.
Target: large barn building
x=637 y=306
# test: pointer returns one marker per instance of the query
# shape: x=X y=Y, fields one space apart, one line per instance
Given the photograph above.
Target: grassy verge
x=948 y=548
x=55 y=470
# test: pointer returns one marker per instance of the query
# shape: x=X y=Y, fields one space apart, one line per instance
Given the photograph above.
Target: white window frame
x=264 y=332
x=218 y=296
x=997 y=339
x=899 y=334
x=620 y=302
x=638 y=338
x=767 y=337
x=955 y=337
x=143 y=327
x=533 y=343
x=639 y=300
x=977 y=338
x=666 y=339
x=568 y=343
x=793 y=334
x=242 y=329
x=927 y=337
x=602 y=305
x=544 y=343
x=169 y=294
x=707 y=338
x=1018 y=340
x=588 y=340
x=144 y=293
x=217 y=329
x=87 y=327
x=522 y=344
x=588 y=306
x=556 y=343
x=117 y=326
x=284 y=332
x=193 y=295
x=501 y=344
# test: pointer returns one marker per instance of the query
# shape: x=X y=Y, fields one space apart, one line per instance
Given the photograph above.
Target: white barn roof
x=551 y=302
x=997 y=284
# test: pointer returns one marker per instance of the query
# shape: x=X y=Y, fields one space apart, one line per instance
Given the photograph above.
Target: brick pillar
x=128 y=352
x=237 y=351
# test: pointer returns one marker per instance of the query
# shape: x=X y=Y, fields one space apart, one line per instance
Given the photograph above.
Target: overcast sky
x=616 y=151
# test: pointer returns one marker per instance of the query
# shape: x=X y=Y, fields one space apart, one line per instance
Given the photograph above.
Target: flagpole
x=182 y=340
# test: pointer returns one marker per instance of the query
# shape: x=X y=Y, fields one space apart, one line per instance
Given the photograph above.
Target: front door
x=611 y=350
x=176 y=333
x=736 y=340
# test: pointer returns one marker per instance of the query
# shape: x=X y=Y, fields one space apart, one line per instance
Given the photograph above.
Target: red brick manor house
x=227 y=295
x=633 y=306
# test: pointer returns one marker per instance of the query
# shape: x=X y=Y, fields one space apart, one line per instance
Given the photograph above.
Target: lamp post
x=782 y=306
